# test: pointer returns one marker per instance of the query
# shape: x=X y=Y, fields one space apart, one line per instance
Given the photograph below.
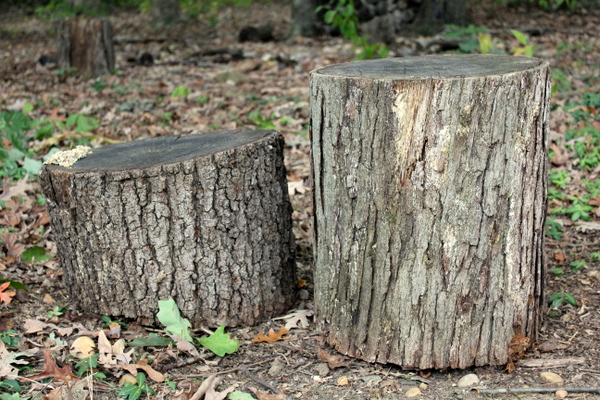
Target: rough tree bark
x=434 y=14
x=85 y=44
x=165 y=12
x=204 y=219
x=305 y=22
x=430 y=199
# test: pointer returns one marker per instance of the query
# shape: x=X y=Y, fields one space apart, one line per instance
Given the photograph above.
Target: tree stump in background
x=204 y=219
x=85 y=44
x=430 y=200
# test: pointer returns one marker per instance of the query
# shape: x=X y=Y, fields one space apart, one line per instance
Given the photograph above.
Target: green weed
x=577 y=265
x=341 y=14
x=57 y=311
x=561 y=298
x=180 y=91
x=559 y=178
x=553 y=228
x=260 y=121
x=132 y=391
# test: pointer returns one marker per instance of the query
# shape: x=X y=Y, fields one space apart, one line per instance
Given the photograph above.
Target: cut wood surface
x=204 y=219
x=430 y=178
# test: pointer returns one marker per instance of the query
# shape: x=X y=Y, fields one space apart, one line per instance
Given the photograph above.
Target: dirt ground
x=272 y=78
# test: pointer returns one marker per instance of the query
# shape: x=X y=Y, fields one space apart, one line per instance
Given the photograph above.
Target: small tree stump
x=430 y=200
x=204 y=219
x=85 y=44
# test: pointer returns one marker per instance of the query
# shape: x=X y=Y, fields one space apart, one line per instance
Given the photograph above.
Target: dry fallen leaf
x=83 y=347
x=271 y=337
x=6 y=295
x=333 y=361
x=7 y=359
x=51 y=370
x=143 y=365
x=343 y=381
x=207 y=390
x=48 y=299
x=266 y=396
x=127 y=378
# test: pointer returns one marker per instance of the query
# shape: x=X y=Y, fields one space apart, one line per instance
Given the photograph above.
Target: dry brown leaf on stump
x=333 y=361
x=271 y=336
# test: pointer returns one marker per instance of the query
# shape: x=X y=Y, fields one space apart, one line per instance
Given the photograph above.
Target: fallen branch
x=551 y=362
x=245 y=371
x=595 y=389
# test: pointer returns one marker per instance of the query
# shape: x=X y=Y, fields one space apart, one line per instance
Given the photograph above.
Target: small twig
x=227 y=371
x=245 y=371
x=179 y=363
x=595 y=389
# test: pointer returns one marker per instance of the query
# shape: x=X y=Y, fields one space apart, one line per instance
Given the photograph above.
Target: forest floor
x=196 y=84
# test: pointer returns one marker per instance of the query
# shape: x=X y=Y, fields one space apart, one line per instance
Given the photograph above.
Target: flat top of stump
x=140 y=154
x=436 y=67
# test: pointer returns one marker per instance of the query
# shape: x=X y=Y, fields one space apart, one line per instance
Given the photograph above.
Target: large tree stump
x=204 y=219
x=85 y=44
x=430 y=200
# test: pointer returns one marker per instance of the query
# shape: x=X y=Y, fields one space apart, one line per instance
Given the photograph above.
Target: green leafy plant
x=169 y=315
x=87 y=365
x=15 y=156
x=11 y=385
x=525 y=49
x=35 y=254
x=561 y=298
x=238 y=395
x=13 y=396
x=260 y=121
x=167 y=116
x=467 y=34
x=57 y=311
x=14 y=284
x=220 y=343
x=9 y=337
x=559 y=178
x=579 y=211
x=557 y=271
x=98 y=85
x=180 y=91
x=82 y=123
x=594 y=257
x=577 y=265
x=485 y=43
x=560 y=83
x=132 y=391
x=153 y=340
x=108 y=320
x=553 y=228
x=341 y=14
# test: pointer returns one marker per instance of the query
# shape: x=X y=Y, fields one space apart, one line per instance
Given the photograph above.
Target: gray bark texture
x=305 y=22
x=204 y=219
x=430 y=177
x=165 y=12
x=86 y=44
